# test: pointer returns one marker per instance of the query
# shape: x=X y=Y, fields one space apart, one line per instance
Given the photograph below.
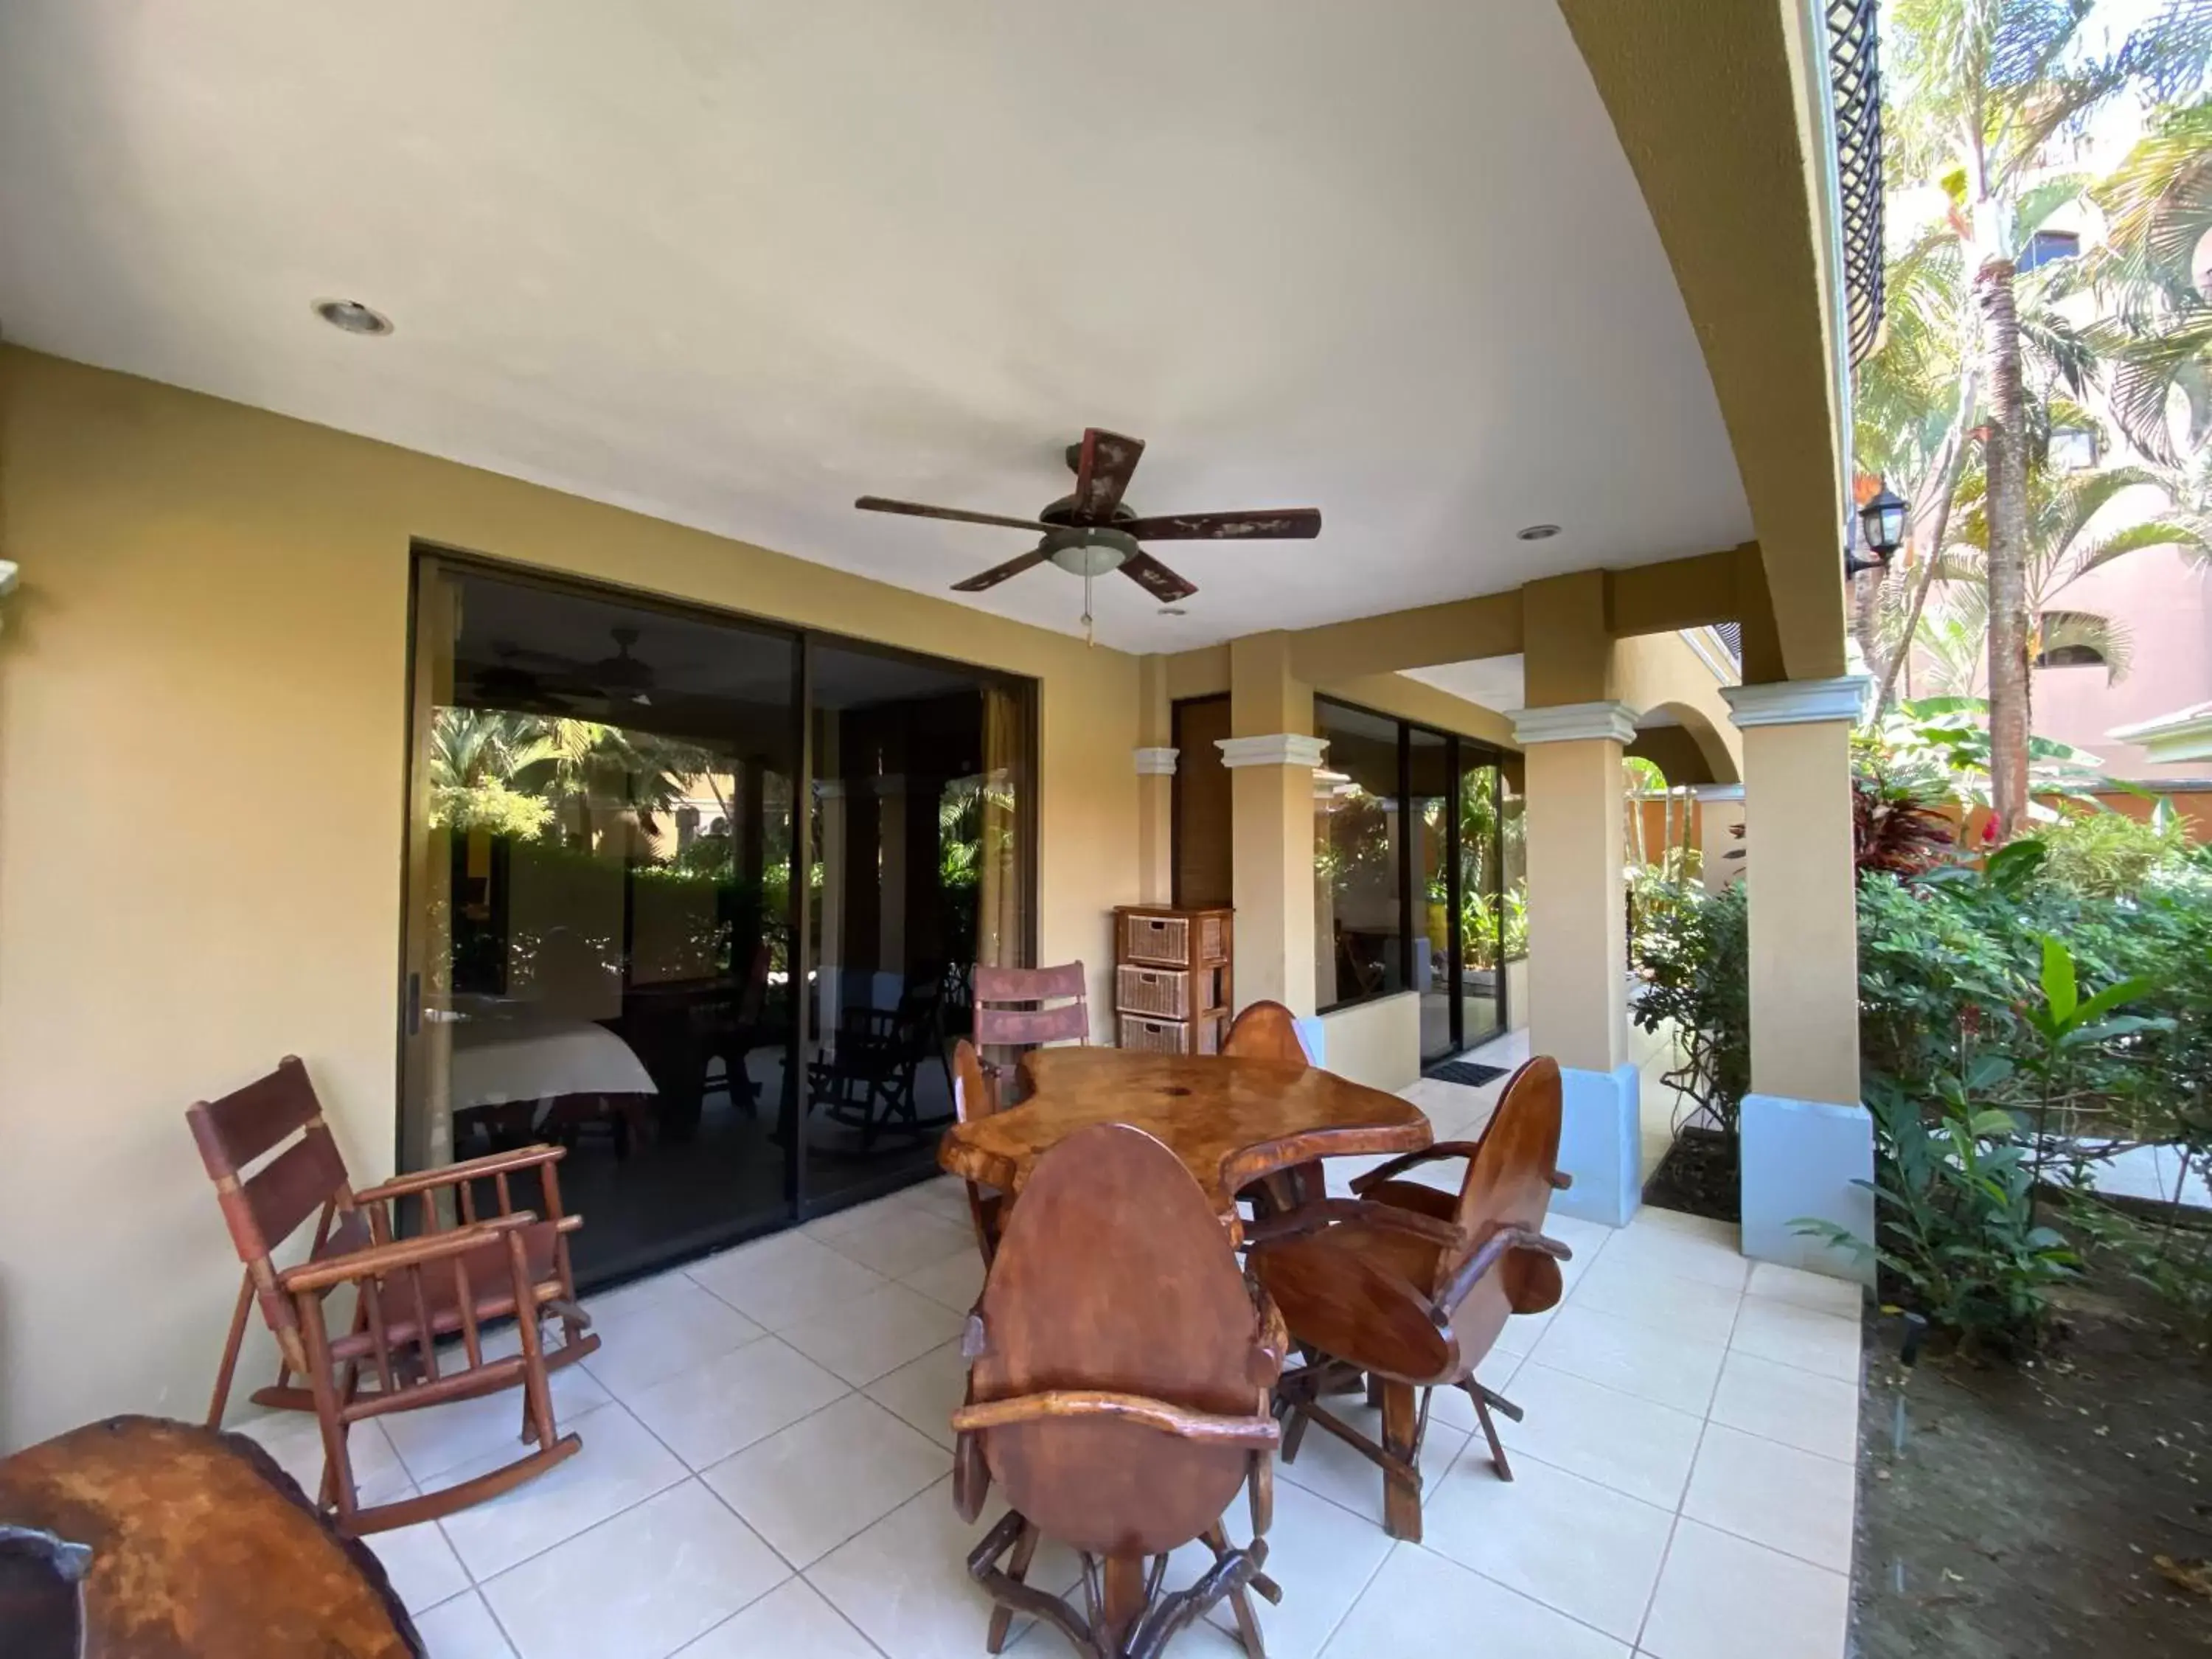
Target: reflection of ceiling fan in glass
x=618 y=678
x=1092 y=531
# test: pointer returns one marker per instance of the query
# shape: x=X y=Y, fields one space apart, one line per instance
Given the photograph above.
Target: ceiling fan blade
x=1284 y=523
x=1156 y=579
x=957 y=515
x=998 y=573
x=1102 y=472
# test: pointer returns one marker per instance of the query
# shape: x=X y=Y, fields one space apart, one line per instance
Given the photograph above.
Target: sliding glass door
x=693 y=897
x=1408 y=869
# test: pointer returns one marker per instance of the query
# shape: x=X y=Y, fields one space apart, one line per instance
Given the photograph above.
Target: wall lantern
x=1881 y=522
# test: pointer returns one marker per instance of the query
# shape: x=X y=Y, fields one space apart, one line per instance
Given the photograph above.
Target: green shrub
x=1693 y=952
x=2098 y=854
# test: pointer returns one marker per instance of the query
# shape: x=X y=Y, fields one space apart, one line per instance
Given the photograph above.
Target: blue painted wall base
x=1801 y=1158
x=1600 y=1146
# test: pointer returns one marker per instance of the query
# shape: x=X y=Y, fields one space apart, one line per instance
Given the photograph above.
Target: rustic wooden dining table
x=1232 y=1121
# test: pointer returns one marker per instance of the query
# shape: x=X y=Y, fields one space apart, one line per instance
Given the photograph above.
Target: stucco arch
x=1685 y=745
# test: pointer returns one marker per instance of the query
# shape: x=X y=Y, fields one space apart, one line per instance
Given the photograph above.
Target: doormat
x=1464 y=1071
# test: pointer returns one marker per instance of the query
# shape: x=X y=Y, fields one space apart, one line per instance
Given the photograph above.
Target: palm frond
x=2110 y=639
x=2150 y=372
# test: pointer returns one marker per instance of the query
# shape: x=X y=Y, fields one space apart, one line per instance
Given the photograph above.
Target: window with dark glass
x=2045 y=247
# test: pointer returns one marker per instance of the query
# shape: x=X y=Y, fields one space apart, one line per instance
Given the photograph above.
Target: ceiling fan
x=1092 y=530
x=619 y=679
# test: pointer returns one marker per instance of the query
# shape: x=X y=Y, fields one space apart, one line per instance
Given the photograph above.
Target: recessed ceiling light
x=1173 y=610
x=353 y=317
x=1537 y=533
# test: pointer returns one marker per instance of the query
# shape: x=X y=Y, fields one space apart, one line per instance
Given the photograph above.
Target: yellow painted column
x=1577 y=945
x=1807 y=1139
x=1271 y=755
x=1156 y=766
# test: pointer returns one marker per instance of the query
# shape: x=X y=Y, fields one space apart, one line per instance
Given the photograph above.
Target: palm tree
x=1989 y=85
x=2158 y=210
x=2065 y=543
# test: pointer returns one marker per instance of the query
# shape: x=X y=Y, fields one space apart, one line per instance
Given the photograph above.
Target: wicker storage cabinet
x=1172 y=988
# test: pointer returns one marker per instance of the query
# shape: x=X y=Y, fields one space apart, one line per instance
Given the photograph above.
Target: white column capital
x=1277 y=748
x=1157 y=763
x=1706 y=793
x=1575 y=722
x=1797 y=702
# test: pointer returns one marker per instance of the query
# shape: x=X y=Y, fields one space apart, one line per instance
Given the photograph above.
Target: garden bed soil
x=1698 y=1177
x=2051 y=1510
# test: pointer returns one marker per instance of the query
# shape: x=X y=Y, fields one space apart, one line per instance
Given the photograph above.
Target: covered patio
x=366 y=388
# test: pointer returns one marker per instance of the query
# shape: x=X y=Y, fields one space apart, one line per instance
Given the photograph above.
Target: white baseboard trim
x=1600 y=1146
x=1802 y=1159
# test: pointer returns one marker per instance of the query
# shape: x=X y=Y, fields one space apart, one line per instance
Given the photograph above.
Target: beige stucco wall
x=1378 y=1043
x=203 y=720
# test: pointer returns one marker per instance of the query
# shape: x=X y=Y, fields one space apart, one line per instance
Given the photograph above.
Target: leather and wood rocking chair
x=447 y=1280
x=1118 y=1392
x=1410 y=1284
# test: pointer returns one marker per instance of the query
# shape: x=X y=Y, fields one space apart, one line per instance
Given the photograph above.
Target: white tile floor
x=766 y=1462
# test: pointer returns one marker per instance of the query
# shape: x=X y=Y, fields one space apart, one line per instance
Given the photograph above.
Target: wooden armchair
x=1027 y=1007
x=1118 y=1392
x=974 y=1098
x=446 y=1280
x=1269 y=1031
x=1410 y=1285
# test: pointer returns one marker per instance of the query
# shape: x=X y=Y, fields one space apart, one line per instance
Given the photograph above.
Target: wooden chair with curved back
x=974 y=1098
x=1269 y=1031
x=445 y=1281
x=1118 y=1392
x=1026 y=1008
x=1410 y=1285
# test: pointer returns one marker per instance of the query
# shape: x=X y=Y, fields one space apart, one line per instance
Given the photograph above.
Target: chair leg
x=1484 y=1399
x=1401 y=1485
x=1294 y=1435
x=220 y=1398
x=1240 y=1597
x=1018 y=1569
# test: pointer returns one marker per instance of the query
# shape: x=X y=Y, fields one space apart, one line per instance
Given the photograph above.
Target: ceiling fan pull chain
x=1087 y=638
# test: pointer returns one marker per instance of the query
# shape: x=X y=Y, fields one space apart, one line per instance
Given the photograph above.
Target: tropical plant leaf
x=2057 y=978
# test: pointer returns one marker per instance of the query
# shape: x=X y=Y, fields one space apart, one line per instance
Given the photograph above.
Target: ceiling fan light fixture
x=1089 y=550
x=1536 y=532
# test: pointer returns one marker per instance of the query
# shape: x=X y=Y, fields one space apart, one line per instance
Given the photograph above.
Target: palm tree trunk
x=1946 y=475
x=2004 y=452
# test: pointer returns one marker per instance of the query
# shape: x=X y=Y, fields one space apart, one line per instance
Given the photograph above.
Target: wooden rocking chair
x=1410 y=1284
x=445 y=1281
x=1119 y=1394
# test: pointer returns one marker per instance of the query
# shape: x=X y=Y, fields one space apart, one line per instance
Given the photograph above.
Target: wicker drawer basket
x=1164 y=940
x=1172 y=1036
x=1162 y=992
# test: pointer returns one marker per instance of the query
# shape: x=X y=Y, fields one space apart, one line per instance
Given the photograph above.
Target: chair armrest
x=1398 y=1166
x=1494 y=1250
x=1322 y=1212
x=452 y=1174
x=379 y=1259
x=1253 y=1431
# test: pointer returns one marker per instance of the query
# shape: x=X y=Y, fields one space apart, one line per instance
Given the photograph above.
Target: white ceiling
x=734 y=263
x=1494 y=682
